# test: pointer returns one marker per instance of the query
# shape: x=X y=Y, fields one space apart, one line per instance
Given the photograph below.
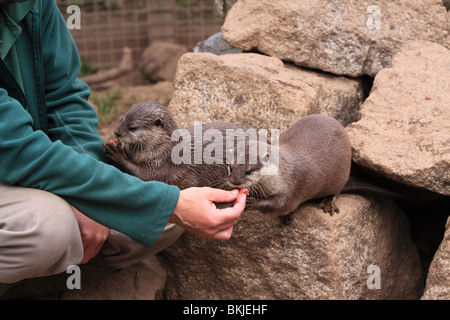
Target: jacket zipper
x=9 y=83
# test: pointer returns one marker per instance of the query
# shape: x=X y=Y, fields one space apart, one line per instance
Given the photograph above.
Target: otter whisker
x=220 y=185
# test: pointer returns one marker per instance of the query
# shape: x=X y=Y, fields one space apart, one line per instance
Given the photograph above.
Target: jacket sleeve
x=117 y=200
x=66 y=162
x=71 y=119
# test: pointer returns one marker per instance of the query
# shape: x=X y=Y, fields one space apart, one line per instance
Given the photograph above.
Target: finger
x=86 y=255
x=230 y=216
x=90 y=252
x=219 y=195
x=224 y=234
x=240 y=201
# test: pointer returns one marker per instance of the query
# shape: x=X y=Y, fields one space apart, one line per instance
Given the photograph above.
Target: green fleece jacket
x=48 y=131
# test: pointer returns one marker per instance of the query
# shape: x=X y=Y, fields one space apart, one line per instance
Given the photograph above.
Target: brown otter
x=149 y=147
x=312 y=161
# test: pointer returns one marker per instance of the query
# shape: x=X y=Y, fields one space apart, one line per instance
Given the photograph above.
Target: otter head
x=145 y=131
x=253 y=168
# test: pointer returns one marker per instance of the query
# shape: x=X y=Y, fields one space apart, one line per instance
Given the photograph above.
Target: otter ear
x=158 y=122
x=265 y=158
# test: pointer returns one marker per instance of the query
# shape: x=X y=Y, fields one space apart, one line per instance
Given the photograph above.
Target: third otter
x=312 y=161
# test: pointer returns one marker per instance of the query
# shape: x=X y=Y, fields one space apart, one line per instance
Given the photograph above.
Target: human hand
x=197 y=213
x=93 y=235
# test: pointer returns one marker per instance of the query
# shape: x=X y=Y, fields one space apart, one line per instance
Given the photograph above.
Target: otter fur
x=312 y=161
x=145 y=148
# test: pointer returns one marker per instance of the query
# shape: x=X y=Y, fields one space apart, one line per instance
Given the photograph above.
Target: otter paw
x=286 y=219
x=250 y=203
x=244 y=191
x=113 y=149
x=328 y=205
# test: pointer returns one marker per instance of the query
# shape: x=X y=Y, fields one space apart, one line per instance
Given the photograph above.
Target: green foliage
x=76 y=2
x=186 y=3
x=86 y=68
x=106 y=104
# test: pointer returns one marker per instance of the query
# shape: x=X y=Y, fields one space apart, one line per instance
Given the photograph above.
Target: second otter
x=312 y=161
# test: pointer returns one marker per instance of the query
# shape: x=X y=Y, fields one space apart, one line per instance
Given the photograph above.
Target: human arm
x=65 y=162
x=71 y=119
x=121 y=202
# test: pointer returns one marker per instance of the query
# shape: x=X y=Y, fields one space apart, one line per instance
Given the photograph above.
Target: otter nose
x=117 y=133
x=234 y=181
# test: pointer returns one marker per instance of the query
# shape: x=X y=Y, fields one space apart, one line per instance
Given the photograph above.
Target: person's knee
x=43 y=240
x=57 y=227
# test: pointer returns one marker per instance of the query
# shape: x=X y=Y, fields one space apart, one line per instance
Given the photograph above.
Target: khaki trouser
x=39 y=236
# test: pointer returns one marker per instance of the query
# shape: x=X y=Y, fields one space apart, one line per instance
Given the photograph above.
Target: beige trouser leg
x=39 y=236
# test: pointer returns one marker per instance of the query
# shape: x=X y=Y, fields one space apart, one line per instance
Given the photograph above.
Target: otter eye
x=248 y=172
x=266 y=158
x=133 y=128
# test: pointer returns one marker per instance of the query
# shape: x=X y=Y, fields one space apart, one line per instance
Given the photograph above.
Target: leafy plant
x=106 y=104
x=186 y=3
x=87 y=68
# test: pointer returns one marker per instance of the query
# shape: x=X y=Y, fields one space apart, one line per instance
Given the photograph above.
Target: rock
x=159 y=60
x=215 y=44
x=447 y=43
x=403 y=131
x=124 y=73
x=317 y=257
x=346 y=37
x=223 y=6
x=259 y=91
x=438 y=280
x=144 y=280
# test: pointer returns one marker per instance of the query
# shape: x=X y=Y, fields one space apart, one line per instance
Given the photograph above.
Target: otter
x=145 y=148
x=312 y=161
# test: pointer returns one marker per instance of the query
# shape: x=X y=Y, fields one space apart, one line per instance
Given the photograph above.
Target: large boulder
x=346 y=37
x=257 y=90
x=403 y=131
x=144 y=280
x=159 y=60
x=365 y=252
x=438 y=279
x=223 y=6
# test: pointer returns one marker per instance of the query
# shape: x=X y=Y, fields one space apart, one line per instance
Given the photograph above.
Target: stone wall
x=303 y=57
